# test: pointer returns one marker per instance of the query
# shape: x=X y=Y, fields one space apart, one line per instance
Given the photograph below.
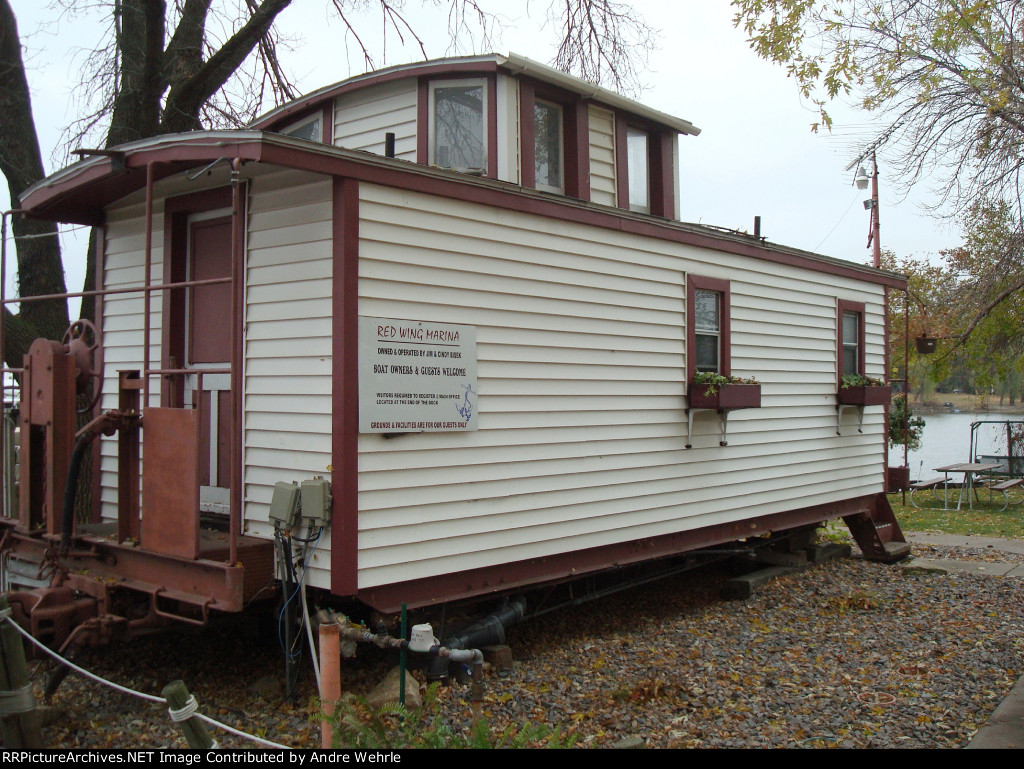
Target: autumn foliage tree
x=945 y=79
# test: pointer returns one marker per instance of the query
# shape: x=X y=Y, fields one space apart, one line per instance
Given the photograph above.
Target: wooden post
x=477 y=691
x=330 y=678
x=195 y=730
x=20 y=719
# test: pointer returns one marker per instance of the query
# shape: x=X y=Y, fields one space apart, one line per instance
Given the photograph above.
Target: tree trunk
x=40 y=270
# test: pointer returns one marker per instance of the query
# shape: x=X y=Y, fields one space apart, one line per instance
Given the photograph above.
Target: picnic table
x=970 y=470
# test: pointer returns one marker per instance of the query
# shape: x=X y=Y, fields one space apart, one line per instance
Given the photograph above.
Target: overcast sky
x=755 y=156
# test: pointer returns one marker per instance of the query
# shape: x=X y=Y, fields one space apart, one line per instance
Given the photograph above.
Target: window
x=547 y=142
x=457 y=128
x=707 y=319
x=645 y=166
x=637 y=168
x=708 y=329
x=850 y=347
x=310 y=128
x=554 y=140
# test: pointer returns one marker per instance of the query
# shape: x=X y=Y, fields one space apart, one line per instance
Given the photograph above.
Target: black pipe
x=389 y=145
x=70 y=487
x=290 y=592
x=488 y=631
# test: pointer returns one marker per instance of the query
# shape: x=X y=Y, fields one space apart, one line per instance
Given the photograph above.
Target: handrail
x=123 y=290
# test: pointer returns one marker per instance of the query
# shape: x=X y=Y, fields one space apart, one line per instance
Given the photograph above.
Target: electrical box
x=316 y=501
x=284 y=505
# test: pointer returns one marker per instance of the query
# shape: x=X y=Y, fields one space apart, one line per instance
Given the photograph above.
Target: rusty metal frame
x=127 y=509
x=99 y=565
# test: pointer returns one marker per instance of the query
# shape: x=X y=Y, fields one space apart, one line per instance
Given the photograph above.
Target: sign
x=416 y=376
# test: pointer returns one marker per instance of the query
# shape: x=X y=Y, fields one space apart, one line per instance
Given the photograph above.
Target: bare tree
x=39 y=265
x=603 y=42
x=166 y=66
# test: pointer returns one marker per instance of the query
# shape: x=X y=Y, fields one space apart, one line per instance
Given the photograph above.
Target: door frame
x=180 y=213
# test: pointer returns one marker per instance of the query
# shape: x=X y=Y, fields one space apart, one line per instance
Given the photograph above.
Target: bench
x=932 y=483
x=1012 y=483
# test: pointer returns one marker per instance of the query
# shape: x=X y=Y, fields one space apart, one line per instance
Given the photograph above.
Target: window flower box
x=857 y=390
x=733 y=395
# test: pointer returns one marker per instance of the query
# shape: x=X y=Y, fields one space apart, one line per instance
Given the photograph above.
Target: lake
x=947 y=439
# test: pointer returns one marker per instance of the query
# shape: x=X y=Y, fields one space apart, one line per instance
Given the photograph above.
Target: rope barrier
x=18 y=700
x=83 y=671
x=181 y=714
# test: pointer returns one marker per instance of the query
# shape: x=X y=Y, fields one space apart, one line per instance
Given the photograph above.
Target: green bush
x=357 y=725
x=901 y=415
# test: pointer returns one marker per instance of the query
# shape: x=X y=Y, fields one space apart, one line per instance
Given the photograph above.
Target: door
x=208 y=346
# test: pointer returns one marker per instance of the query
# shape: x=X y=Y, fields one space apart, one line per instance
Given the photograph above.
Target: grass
x=984 y=520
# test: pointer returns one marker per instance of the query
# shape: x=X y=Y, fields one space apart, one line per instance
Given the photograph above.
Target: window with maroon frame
x=645 y=159
x=850 y=342
x=707 y=326
x=554 y=139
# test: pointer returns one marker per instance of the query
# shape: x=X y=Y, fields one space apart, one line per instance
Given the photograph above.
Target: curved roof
x=511 y=63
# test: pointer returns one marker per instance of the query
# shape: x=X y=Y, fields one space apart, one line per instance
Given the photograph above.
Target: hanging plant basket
x=926 y=344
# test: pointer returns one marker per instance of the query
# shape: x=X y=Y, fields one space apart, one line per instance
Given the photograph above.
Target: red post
x=330 y=678
x=876 y=253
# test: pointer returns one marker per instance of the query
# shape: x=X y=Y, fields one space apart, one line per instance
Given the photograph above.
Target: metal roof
x=512 y=63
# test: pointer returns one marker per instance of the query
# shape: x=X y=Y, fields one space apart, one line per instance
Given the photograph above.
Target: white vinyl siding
x=362 y=118
x=509 y=155
x=602 y=156
x=580 y=360
x=581 y=371
x=122 y=324
x=288 y=347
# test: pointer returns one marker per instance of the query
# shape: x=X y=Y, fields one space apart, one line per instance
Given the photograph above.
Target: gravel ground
x=847 y=654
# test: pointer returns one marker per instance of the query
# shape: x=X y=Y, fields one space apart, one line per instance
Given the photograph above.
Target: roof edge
x=53 y=197
x=511 y=62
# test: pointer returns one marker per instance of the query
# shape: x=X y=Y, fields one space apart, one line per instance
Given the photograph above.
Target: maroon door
x=208 y=318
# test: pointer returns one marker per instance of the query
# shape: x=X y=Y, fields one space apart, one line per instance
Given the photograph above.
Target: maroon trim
x=577 y=151
x=172 y=336
x=427 y=71
x=327 y=122
x=73 y=200
x=662 y=175
x=423 y=121
x=575 y=137
x=84 y=211
x=621 y=162
x=99 y=233
x=527 y=134
x=345 y=393
x=492 y=126
x=660 y=170
x=569 y=566
x=239 y=196
x=885 y=443
x=694 y=282
x=858 y=307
